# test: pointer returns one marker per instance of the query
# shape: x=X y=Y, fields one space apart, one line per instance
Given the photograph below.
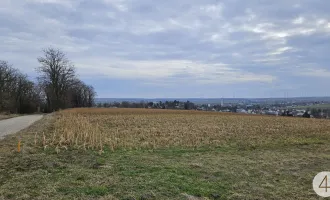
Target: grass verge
x=8 y=116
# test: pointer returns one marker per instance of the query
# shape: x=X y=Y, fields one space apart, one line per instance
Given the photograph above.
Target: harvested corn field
x=152 y=129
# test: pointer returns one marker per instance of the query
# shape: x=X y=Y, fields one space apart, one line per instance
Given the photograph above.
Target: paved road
x=13 y=125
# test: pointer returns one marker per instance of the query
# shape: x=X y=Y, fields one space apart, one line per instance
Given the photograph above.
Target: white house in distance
x=241 y=111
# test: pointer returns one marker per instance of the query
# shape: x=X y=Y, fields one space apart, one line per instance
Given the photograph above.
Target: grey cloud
x=313 y=48
x=242 y=34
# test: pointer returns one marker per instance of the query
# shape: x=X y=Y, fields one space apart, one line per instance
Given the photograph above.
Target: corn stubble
x=99 y=128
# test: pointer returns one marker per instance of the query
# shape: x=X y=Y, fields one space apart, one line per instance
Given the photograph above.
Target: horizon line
x=213 y=97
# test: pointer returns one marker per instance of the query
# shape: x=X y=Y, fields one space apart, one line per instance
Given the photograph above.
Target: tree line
x=155 y=105
x=320 y=113
x=57 y=86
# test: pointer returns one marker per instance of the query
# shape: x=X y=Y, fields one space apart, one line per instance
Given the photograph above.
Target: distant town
x=307 y=107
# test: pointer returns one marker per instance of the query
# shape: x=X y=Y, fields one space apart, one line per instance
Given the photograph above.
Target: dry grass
x=154 y=129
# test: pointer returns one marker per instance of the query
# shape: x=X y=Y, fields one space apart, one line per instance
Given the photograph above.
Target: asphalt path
x=13 y=125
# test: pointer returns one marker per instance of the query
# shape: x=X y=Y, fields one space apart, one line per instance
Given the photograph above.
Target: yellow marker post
x=19 y=145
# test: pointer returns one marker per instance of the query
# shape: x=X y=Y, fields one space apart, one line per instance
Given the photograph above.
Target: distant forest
x=56 y=87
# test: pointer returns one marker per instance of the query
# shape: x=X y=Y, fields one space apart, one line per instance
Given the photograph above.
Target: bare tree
x=7 y=84
x=58 y=86
x=17 y=93
x=27 y=99
x=82 y=95
x=90 y=96
x=57 y=76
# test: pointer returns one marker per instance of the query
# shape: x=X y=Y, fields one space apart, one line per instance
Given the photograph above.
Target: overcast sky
x=177 y=48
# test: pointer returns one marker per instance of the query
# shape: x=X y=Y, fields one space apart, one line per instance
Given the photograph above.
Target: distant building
x=299 y=114
x=271 y=112
x=241 y=111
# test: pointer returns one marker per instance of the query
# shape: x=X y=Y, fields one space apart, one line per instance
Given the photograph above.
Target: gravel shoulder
x=13 y=125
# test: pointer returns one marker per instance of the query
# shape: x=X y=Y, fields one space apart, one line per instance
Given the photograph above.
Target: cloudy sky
x=177 y=48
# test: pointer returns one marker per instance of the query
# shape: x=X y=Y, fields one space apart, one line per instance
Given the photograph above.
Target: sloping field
x=164 y=154
x=152 y=129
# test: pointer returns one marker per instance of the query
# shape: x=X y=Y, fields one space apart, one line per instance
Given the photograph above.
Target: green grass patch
x=90 y=191
x=317 y=106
